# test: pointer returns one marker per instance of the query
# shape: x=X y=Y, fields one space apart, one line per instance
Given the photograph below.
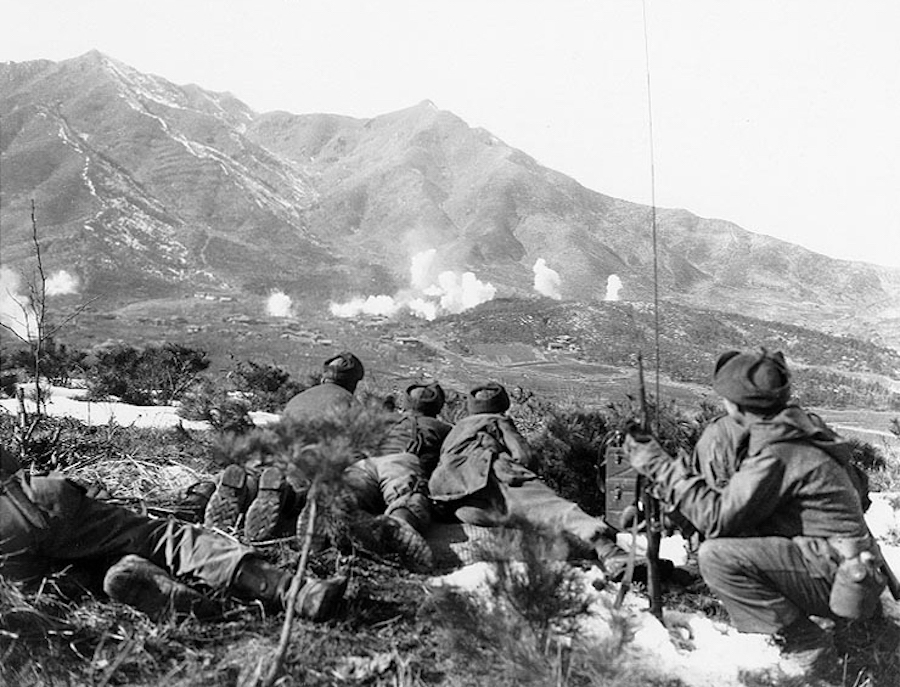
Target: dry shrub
x=886 y=476
x=527 y=629
x=22 y=617
x=140 y=480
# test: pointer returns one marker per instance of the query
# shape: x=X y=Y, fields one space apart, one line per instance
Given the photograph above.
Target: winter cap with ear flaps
x=758 y=381
x=490 y=398
x=343 y=368
x=425 y=398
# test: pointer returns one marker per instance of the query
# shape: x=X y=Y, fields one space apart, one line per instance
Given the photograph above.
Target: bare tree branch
x=38 y=331
x=75 y=313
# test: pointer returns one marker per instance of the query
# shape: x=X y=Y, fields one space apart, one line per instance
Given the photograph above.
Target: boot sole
x=265 y=511
x=224 y=508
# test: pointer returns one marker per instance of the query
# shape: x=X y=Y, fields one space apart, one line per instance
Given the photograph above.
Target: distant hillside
x=561 y=350
x=145 y=189
x=831 y=371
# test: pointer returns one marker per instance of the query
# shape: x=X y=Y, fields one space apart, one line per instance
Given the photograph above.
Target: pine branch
x=296 y=584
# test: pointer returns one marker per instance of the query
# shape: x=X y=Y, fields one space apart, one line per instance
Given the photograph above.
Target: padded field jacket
x=469 y=452
x=318 y=401
x=422 y=435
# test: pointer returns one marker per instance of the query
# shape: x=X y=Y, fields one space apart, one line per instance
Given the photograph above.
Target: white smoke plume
x=420 y=269
x=279 y=304
x=613 y=285
x=373 y=305
x=422 y=308
x=460 y=292
x=546 y=280
x=448 y=292
x=60 y=283
x=16 y=308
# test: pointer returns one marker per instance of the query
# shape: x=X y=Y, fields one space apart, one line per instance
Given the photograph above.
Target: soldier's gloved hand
x=643 y=451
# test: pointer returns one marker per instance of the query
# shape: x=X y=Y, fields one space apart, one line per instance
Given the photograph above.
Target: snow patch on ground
x=69 y=403
x=709 y=654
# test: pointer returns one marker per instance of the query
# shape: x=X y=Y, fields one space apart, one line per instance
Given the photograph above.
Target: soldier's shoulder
x=722 y=427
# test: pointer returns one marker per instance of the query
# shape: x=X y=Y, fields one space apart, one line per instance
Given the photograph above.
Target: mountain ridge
x=146 y=188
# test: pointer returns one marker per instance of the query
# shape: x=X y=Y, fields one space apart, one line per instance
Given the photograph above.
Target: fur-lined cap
x=344 y=369
x=758 y=381
x=427 y=399
x=490 y=398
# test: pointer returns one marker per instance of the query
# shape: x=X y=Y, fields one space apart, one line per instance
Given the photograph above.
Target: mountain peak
x=95 y=58
x=94 y=55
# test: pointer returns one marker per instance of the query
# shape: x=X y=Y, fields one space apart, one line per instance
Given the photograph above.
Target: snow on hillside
x=710 y=654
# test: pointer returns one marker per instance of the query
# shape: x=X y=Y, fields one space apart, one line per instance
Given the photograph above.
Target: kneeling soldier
x=783 y=521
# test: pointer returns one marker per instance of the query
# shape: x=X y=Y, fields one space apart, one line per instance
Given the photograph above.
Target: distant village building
x=563 y=342
x=206 y=296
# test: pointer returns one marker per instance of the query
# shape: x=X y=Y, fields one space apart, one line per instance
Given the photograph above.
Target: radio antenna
x=652 y=214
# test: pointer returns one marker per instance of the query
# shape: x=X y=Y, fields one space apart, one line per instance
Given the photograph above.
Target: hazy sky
x=779 y=115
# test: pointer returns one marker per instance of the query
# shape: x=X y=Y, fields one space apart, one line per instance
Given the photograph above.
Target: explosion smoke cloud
x=16 y=308
x=451 y=292
x=372 y=305
x=60 y=283
x=420 y=269
x=613 y=286
x=546 y=280
x=279 y=304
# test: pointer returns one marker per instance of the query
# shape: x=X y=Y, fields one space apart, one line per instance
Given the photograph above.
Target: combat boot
x=317 y=599
x=137 y=582
x=229 y=501
x=395 y=534
x=264 y=513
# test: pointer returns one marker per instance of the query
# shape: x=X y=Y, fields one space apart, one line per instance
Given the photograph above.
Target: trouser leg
x=403 y=486
x=361 y=482
x=514 y=493
x=484 y=508
x=394 y=490
x=764 y=582
x=389 y=484
x=80 y=528
x=536 y=502
x=189 y=551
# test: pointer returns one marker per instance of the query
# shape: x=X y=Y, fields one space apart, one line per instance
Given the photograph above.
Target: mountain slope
x=139 y=180
x=147 y=188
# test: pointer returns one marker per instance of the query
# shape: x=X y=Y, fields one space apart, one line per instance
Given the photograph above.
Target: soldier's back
x=318 y=401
